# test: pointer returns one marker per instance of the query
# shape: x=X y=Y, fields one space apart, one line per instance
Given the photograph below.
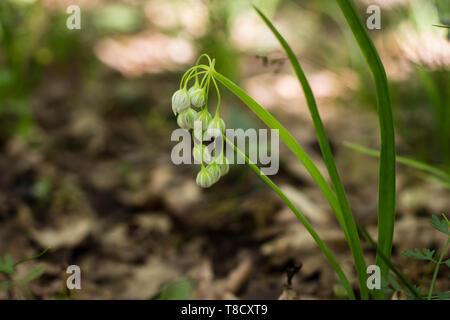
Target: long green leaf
x=388 y=262
x=303 y=220
x=348 y=223
x=386 y=185
x=286 y=137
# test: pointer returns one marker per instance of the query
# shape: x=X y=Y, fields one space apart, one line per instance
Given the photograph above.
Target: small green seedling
x=15 y=284
x=429 y=255
x=411 y=291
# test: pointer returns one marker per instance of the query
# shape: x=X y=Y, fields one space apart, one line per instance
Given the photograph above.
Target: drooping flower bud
x=185 y=119
x=193 y=88
x=224 y=164
x=197 y=95
x=204 y=178
x=180 y=101
x=200 y=153
x=216 y=127
x=215 y=171
x=204 y=117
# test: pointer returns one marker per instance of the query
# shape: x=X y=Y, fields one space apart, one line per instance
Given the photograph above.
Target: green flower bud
x=185 y=119
x=200 y=153
x=204 y=178
x=180 y=101
x=224 y=164
x=216 y=127
x=197 y=95
x=215 y=171
x=193 y=88
x=204 y=117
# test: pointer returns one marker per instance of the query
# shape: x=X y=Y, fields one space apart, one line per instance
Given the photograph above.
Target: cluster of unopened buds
x=191 y=108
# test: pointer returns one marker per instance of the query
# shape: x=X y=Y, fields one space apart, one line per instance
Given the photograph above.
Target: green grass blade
x=286 y=137
x=388 y=262
x=441 y=26
x=348 y=223
x=303 y=220
x=32 y=258
x=441 y=175
x=386 y=185
x=436 y=269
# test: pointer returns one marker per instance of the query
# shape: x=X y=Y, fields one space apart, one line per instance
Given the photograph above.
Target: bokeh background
x=85 y=124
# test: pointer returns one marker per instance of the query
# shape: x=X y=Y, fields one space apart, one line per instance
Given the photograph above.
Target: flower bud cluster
x=184 y=103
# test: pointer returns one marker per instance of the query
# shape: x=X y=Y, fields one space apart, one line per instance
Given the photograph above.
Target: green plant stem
x=436 y=269
x=302 y=219
x=441 y=26
x=348 y=224
x=32 y=258
x=287 y=138
x=386 y=186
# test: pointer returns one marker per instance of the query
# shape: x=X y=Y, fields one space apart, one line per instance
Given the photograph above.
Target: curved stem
x=198 y=61
x=348 y=224
x=218 y=96
x=436 y=269
x=208 y=80
x=189 y=72
x=302 y=219
x=287 y=138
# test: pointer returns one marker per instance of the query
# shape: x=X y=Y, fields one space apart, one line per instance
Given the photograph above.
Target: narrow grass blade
x=348 y=225
x=436 y=269
x=441 y=175
x=303 y=220
x=386 y=185
x=441 y=26
x=287 y=138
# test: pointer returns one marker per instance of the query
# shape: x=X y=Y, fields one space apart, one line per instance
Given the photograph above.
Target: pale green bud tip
x=223 y=164
x=216 y=127
x=204 y=117
x=215 y=171
x=204 y=178
x=180 y=101
x=200 y=153
x=186 y=119
x=197 y=96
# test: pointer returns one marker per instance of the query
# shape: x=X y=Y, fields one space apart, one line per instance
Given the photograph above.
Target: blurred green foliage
x=16 y=284
x=117 y=17
x=34 y=39
x=178 y=290
x=29 y=41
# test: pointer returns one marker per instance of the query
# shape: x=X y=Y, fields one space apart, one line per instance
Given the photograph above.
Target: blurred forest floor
x=95 y=183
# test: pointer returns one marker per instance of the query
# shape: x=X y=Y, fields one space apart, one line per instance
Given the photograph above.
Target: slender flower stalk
x=217 y=163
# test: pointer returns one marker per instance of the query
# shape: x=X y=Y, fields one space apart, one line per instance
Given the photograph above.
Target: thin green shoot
x=302 y=219
x=386 y=183
x=347 y=222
